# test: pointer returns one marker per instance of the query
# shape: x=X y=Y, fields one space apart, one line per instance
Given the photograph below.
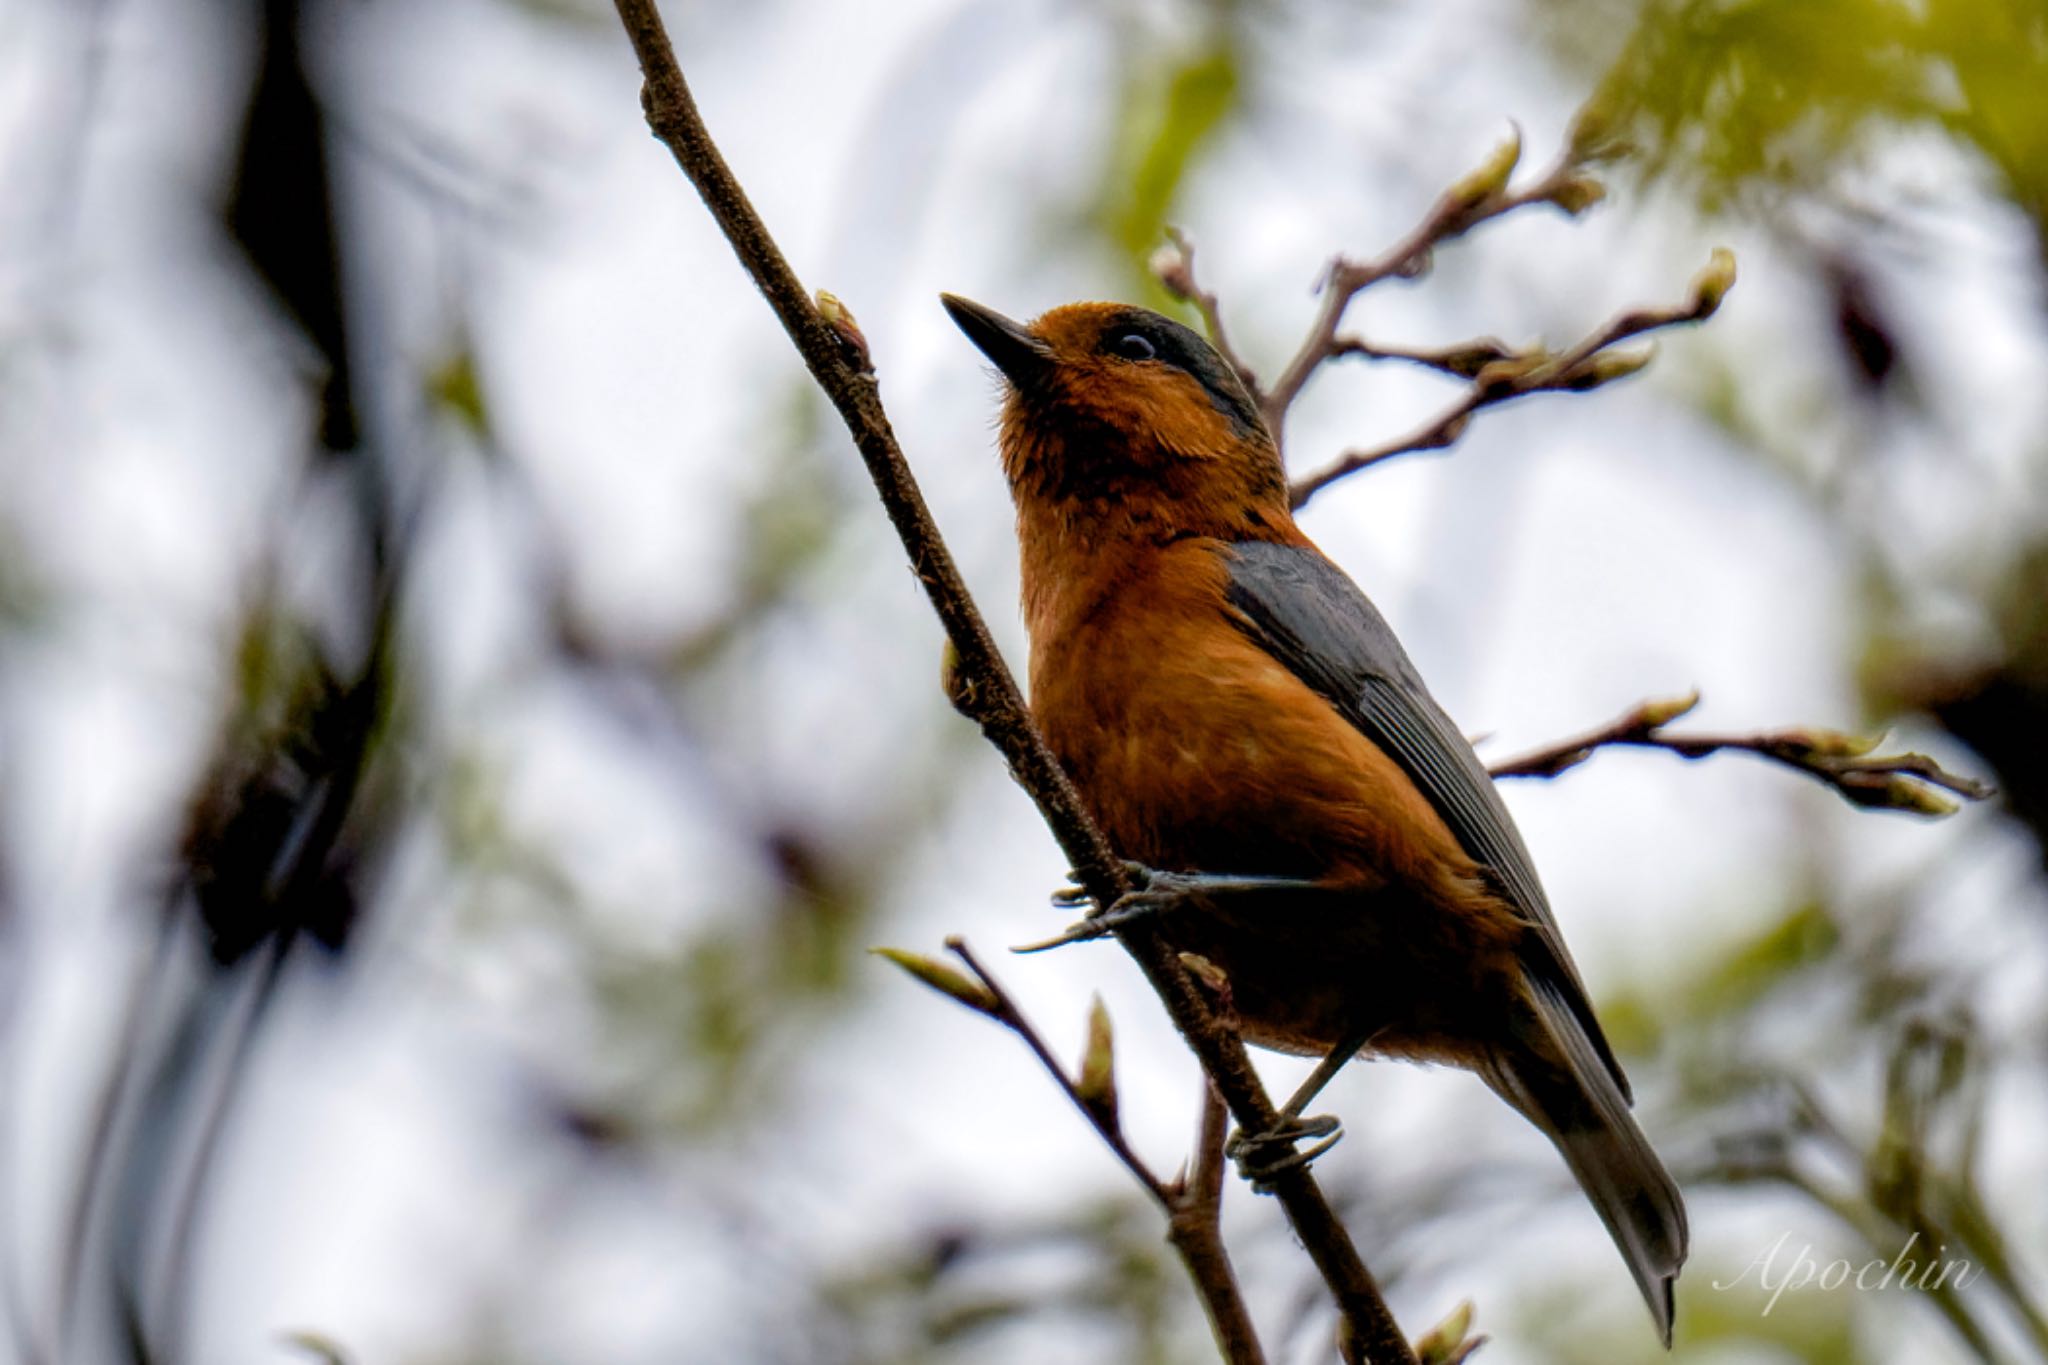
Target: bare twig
x=985 y=683
x=1481 y=195
x=1464 y=361
x=1191 y=1206
x=1907 y=782
x=1174 y=267
x=1204 y=1182
x=1499 y=373
x=1496 y=371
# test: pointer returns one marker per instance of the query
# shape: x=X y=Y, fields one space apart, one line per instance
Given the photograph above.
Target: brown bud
x=840 y=319
x=1172 y=264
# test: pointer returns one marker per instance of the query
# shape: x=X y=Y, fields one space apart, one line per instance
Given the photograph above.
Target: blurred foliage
x=1997 y=701
x=1746 y=99
x=948 y=1296
x=1167 y=117
x=1179 y=88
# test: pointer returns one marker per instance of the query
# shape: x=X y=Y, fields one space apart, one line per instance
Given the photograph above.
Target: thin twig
x=1004 y=1011
x=1174 y=267
x=985 y=683
x=1515 y=374
x=1464 y=361
x=1195 y=1222
x=1193 y=1227
x=1480 y=196
x=1205 y=1176
x=1847 y=763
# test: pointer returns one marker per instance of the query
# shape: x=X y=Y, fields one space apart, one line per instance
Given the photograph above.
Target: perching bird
x=1239 y=718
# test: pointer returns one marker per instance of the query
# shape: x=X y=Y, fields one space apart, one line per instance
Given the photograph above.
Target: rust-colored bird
x=1242 y=722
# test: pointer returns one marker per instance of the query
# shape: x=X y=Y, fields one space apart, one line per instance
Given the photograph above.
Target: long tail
x=1559 y=1081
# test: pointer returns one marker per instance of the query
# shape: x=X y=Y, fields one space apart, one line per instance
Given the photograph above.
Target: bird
x=1248 y=732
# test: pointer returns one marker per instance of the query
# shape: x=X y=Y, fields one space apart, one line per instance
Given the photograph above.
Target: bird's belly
x=1219 y=760
x=1307 y=970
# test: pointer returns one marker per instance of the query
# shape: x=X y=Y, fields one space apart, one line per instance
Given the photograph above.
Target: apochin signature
x=1776 y=1271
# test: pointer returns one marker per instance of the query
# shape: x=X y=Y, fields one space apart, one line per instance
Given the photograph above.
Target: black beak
x=1022 y=357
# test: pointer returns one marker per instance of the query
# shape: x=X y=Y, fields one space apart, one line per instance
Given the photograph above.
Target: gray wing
x=1306 y=613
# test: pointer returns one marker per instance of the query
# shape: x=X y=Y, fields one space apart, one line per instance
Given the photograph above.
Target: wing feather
x=1307 y=614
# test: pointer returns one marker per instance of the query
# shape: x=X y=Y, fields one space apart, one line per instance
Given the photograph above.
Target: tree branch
x=1499 y=374
x=985 y=684
x=1908 y=782
x=1481 y=195
x=1191 y=1206
x=1174 y=267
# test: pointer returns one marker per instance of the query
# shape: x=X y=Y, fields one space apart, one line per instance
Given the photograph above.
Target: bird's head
x=1114 y=409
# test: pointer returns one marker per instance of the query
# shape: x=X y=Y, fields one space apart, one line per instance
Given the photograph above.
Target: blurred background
x=463 y=716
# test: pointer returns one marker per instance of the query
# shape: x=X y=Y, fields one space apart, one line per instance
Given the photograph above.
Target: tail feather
x=1559 y=1081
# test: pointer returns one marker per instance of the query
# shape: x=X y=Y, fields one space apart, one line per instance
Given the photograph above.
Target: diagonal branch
x=985 y=683
x=1908 y=782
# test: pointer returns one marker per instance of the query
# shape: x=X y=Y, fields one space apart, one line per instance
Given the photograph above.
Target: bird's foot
x=1263 y=1157
x=1152 y=891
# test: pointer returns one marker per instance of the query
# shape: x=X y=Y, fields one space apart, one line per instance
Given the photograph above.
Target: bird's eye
x=1134 y=346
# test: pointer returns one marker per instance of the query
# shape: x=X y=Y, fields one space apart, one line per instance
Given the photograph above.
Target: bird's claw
x=1095 y=924
x=1075 y=895
x=1263 y=1157
x=1081 y=931
x=1150 y=891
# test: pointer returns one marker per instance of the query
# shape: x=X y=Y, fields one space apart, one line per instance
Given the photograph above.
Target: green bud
x=1450 y=1341
x=1487 y=180
x=840 y=319
x=1652 y=715
x=943 y=979
x=1576 y=193
x=1908 y=794
x=1895 y=791
x=1835 y=744
x=1473 y=356
x=1712 y=284
x=1503 y=376
x=1604 y=367
x=958 y=687
x=1097 y=1087
x=1212 y=977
